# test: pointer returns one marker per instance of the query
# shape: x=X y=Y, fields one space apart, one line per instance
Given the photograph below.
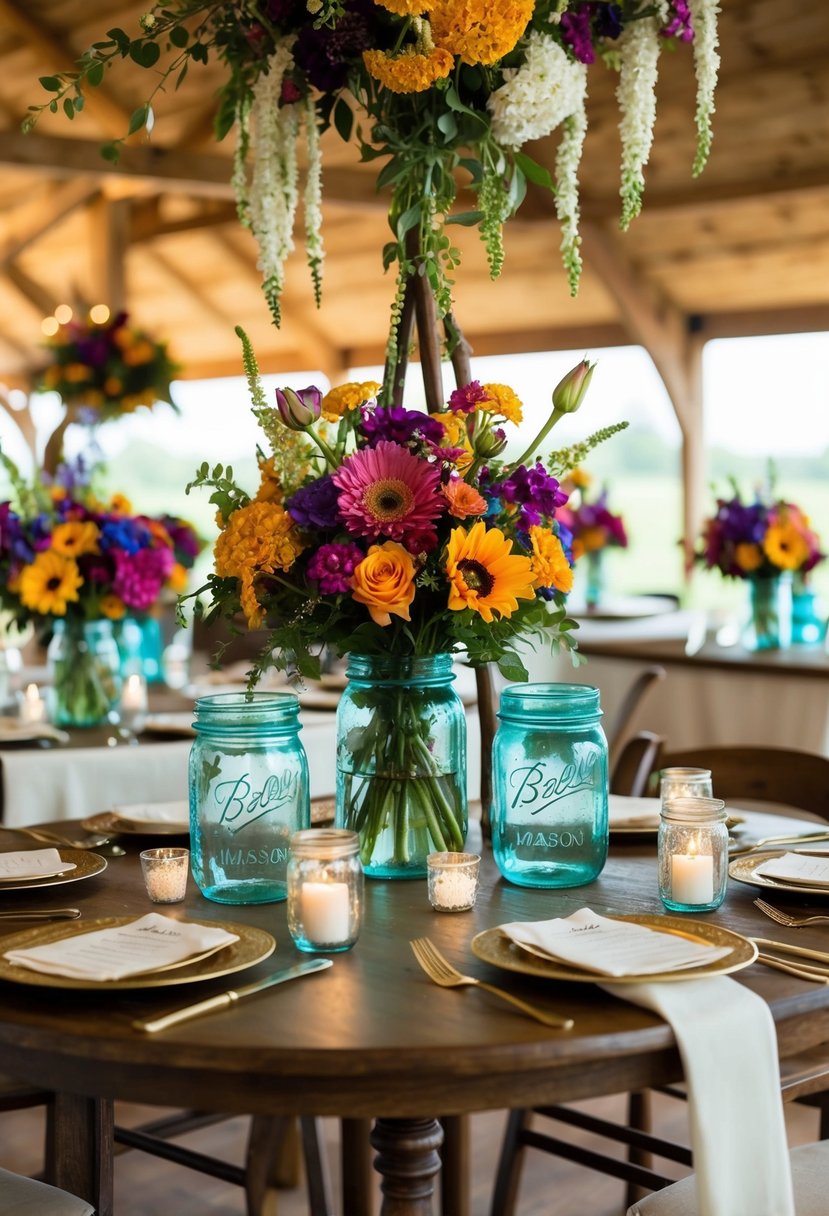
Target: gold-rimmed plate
x=108 y=824
x=493 y=946
x=253 y=946
x=633 y=829
x=86 y=865
x=744 y=869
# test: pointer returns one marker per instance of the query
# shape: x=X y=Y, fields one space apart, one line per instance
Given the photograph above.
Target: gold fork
x=44 y=836
x=447 y=976
x=783 y=918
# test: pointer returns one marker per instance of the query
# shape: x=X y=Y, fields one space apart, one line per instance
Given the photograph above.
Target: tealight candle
x=32 y=707
x=692 y=878
x=325 y=889
x=325 y=912
x=452 y=880
x=134 y=693
x=165 y=874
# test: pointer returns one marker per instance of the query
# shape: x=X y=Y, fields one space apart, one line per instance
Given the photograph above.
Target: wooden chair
x=27 y=1197
x=774 y=776
x=810 y=1176
x=616 y=730
x=635 y=762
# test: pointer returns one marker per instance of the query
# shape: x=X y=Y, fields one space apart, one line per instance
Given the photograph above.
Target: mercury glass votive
x=685 y=783
x=165 y=874
x=693 y=854
x=452 y=880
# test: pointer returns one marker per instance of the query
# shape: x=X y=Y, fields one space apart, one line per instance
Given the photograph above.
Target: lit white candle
x=325 y=912
x=692 y=878
x=134 y=693
x=32 y=707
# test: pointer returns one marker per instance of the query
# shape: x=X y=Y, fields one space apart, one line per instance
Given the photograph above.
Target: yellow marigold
x=75 y=538
x=549 y=562
x=407 y=8
x=456 y=436
x=76 y=373
x=593 y=539
x=113 y=387
x=785 y=546
x=177 y=579
x=500 y=399
x=270 y=487
x=749 y=556
x=409 y=72
x=579 y=478
x=463 y=500
x=141 y=352
x=478 y=30
x=347 y=397
x=113 y=607
x=260 y=538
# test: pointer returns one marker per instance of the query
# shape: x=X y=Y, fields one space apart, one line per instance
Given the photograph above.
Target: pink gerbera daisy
x=386 y=491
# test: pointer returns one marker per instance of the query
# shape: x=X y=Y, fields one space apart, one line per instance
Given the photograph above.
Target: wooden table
x=372 y=1036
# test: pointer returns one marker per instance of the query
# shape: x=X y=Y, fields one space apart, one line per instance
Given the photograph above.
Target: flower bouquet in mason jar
x=594 y=527
x=401 y=539
x=72 y=565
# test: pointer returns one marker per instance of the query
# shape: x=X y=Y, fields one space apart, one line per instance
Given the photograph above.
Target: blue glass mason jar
x=549 y=763
x=248 y=795
x=401 y=762
x=85 y=670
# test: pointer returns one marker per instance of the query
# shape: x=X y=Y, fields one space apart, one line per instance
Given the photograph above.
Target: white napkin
x=728 y=1047
x=610 y=947
x=811 y=869
x=623 y=812
x=32 y=863
x=148 y=944
x=14 y=730
x=175 y=813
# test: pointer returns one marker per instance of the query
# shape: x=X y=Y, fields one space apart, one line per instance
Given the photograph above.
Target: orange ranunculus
x=384 y=582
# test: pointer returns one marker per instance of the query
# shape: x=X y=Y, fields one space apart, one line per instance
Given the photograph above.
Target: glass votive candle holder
x=693 y=854
x=452 y=880
x=165 y=874
x=685 y=783
x=325 y=889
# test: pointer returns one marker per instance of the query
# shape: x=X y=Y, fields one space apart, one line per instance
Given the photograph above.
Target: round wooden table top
x=373 y=1036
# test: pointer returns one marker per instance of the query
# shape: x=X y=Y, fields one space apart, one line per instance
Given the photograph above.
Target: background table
x=372 y=1036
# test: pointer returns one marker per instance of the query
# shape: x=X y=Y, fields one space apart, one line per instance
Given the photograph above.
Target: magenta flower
x=140 y=576
x=299 y=409
x=333 y=565
x=386 y=491
x=464 y=399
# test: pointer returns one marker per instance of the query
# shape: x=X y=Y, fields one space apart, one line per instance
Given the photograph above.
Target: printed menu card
x=610 y=947
x=144 y=945
x=33 y=863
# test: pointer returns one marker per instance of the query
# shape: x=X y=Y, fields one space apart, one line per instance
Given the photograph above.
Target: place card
x=610 y=947
x=810 y=869
x=33 y=863
x=149 y=944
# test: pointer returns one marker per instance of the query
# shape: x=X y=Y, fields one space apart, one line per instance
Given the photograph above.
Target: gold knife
x=225 y=999
x=802 y=951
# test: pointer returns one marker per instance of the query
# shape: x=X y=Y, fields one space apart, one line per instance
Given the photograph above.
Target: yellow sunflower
x=50 y=583
x=549 y=561
x=75 y=538
x=785 y=546
x=484 y=573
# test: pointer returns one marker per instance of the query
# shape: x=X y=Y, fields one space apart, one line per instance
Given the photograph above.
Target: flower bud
x=569 y=393
x=299 y=409
x=489 y=442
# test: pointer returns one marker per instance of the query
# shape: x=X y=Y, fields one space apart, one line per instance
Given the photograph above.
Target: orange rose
x=384 y=582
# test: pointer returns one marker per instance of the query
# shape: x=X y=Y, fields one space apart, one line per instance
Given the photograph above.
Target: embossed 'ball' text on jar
x=549 y=763
x=248 y=795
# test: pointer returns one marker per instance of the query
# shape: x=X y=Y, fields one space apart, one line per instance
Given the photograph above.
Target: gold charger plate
x=493 y=946
x=110 y=825
x=743 y=869
x=86 y=865
x=253 y=946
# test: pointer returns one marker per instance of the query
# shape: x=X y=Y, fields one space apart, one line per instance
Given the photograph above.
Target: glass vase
x=594 y=591
x=85 y=671
x=808 y=615
x=401 y=762
x=770 y=608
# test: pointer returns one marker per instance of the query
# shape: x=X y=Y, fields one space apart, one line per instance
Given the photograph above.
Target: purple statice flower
x=534 y=491
x=120 y=532
x=575 y=32
x=408 y=428
x=140 y=576
x=315 y=505
x=681 y=26
x=333 y=565
x=464 y=399
x=13 y=540
x=185 y=541
x=40 y=532
x=608 y=20
x=323 y=54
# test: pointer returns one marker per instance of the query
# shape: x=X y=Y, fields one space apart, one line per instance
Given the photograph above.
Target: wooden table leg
x=358 y=1180
x=408 y=1161
x=80 y=1149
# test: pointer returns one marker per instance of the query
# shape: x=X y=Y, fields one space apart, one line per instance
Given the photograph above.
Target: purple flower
x=608 y=20
x=333 y=565
x=575 y=31
x=397 y=425
x=299 y=409
x=323 y=54
x=534 y=491
x=315 y=505
x=12 y=538
x=681 y=26
x=186 y=543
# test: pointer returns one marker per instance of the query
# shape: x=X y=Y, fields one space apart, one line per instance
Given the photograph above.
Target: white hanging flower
x=706 y=65
x=568 y=160
x=536 y=97
x=636 y=95
x=313 y=199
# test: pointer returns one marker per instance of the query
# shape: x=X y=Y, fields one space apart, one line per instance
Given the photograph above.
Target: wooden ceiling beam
x=146 y=223
x=109 y=224
x=53 y=57
x=41 y=299
x=30 y=222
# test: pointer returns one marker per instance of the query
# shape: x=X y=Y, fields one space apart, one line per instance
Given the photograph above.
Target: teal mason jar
x=550 y=784
x=401 y=762
x=248 y=795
